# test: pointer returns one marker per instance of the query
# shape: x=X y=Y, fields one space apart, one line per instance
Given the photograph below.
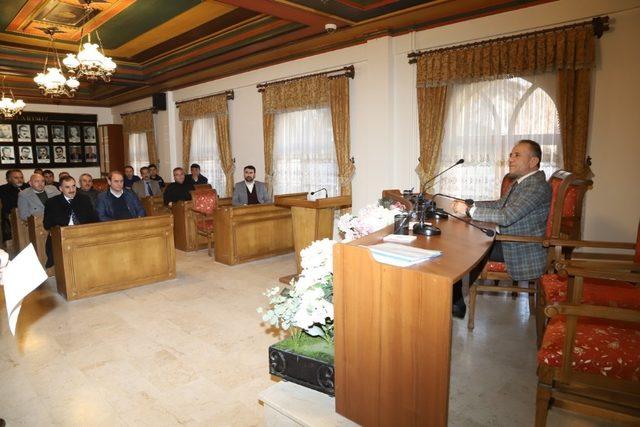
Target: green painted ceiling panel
x=8 y=10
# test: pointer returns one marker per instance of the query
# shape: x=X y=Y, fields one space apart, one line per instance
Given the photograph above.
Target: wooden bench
x=94 y=259
x=186 y=236
x=19 y=232
x=246 y=233
x=154 y=205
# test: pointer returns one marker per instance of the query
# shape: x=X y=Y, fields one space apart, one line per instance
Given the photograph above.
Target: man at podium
x=250 y=191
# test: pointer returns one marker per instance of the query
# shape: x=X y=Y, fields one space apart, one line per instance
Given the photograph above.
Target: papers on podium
x=401 y=255
x=21 y=276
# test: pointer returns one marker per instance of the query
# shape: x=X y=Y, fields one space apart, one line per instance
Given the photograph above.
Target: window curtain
x=138 y=151
x=204 y=151
x=215 y=107
x=136 y=123
x=310 y=93
x=567 y=51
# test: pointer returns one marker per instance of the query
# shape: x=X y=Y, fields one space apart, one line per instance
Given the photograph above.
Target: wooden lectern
x=312 y=220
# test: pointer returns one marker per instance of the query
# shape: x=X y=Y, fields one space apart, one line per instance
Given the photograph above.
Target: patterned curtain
x=339 y=101
x=136 y=123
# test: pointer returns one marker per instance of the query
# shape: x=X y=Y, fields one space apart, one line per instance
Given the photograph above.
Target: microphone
x=468 y=202
x=459 y=162
x=326 y=194
x=487 y=231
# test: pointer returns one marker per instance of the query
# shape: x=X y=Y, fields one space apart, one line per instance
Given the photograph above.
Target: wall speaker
x=159 y=101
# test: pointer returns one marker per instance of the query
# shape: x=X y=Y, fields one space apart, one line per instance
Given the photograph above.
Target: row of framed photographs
x=46 y=133
x=46 y=155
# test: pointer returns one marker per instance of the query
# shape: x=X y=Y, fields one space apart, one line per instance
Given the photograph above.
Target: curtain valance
x=310 y=92
x=141 y=121
x=202 y=107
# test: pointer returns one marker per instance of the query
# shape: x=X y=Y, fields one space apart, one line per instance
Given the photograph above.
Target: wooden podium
x=312 y=220
x=393 y=327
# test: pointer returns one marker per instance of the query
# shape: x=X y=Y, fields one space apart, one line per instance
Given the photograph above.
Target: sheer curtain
x=138 y=151
x=484 y=120
x=304 y=155
x=204 y=151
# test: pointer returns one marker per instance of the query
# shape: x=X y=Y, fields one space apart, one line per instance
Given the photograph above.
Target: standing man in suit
x=146 y=186
x=68 y=208
x=31 y=201
x=522 y=212
x=195 y=177
x=250 y=191
x=118 y=202
x=9 y=197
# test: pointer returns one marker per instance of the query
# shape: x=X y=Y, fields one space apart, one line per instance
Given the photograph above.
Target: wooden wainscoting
x=105 y=257
x=245 y=233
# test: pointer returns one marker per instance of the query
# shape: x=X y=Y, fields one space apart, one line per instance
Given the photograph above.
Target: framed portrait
x=91 y=153
x=25 y=154
x=89 y=134
x=75 y=154
x=24 y=132
x=42 y=133
x=42 y=154
x=59 y=154
x=57 y=133
x=7 y=155
x=6 y=133
x=73 y=133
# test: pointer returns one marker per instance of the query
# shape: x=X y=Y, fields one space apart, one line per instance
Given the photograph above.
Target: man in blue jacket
x=118 y=202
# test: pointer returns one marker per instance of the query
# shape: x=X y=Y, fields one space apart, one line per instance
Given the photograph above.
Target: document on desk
x=401 y=255
x=21 y=276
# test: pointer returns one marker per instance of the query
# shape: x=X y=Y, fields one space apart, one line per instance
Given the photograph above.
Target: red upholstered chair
x=100 y=184
x=205 y=203
x=564 y=220
x=589 y=359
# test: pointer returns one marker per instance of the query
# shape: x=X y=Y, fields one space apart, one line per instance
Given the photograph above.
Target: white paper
x=399 y=238
x=401 y=255
x=21 y=276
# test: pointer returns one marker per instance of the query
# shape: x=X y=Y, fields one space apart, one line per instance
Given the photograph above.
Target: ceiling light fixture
x=51 y=81
x=9 y=107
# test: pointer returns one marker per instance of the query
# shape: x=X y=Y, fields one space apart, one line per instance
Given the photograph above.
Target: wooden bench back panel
x=19 y=232
x=245 y=233
x=154 y=205
x=38 y=236
x=94 y=259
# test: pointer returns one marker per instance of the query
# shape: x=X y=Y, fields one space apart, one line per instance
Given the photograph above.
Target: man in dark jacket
x=179 y=189
x=68 y=208
x=9 y=197
x=153 y=171
x=118 y=202
x=195 y=177
x=86 y=188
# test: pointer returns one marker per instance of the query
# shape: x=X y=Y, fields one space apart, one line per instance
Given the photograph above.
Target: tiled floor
x=193 y=351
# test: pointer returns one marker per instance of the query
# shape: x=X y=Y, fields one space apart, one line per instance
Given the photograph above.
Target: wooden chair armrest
x=605 y=264
x=519 y=239
x=602 y=256
x=566 y=269
x=589 y=244
x=602 y=312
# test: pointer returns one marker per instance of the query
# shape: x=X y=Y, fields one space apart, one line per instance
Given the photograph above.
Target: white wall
x=105 y=117
x=384 y=115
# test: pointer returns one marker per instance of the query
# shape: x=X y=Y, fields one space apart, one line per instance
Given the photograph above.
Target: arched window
x=483 y=122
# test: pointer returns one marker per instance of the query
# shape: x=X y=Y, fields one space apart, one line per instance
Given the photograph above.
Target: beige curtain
x=268 y=130
x=339 y=101
x=187 y=127
x=432 y=103
x=224 y=148
x=140 y=122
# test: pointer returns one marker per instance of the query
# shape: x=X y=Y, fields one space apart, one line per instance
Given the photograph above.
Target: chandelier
x=90 y=62
x=9 y=107
x=51 y=81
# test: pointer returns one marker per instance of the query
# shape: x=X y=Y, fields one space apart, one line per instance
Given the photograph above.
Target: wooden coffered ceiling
x=161 y=45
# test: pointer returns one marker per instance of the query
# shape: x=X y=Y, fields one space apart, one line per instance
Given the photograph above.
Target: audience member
x=68 y=208
x=38 y=170
x=146 y=186
x=86 y=188
x=118 y=202
x=153 y=172
x=195 y=176
x=49 y=178
x=250 y=191
x=31 y=200
x=9 y=197
x=62 y=175
x=179 y=189
x=129 y=177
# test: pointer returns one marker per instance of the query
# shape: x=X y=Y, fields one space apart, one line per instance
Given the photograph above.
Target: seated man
x=179 y=189
x=68 y=208
x=118 y=202
x=129 y=177
x=194 y=177
x=48 y=178
x=31 y=200
x=86 y=188
x=250 y=191
x=146 y=186
x=153 y=172
x=9 y=198
x=521 y=212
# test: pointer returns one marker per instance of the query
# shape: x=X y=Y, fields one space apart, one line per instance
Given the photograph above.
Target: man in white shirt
x=250 y=191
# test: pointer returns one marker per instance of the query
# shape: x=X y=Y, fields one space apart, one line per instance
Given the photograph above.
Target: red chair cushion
x=496 y=267
x=569 y=207
x=602 y=347
x=636 y=258
x=204 y=201
x=610 y=293
x=205 y=224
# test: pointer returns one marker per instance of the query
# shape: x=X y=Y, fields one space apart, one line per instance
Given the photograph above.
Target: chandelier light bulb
x=70 y=61
x=73 y=83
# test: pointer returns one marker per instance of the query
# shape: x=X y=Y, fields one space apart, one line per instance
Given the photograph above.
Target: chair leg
x=531 y=285
x=473 y=292
x=543 y=401
x=540 y=316
x=209 y=246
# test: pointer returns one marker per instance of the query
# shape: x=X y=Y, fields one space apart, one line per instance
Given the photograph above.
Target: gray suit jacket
x=240 y=193
x=29 y=203
x=521 y=212
x=138 y=188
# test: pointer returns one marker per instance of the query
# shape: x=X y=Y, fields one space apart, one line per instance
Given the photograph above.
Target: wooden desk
x=246 y=233
x=393 y=328
x=186 y=236
x=94 y=259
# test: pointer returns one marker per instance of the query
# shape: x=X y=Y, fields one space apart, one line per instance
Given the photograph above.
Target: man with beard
x=250 y=191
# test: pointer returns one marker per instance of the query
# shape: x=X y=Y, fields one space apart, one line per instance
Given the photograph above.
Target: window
x=138 y=151
x=483 y=121
x=204 y=151
x=304 y=153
